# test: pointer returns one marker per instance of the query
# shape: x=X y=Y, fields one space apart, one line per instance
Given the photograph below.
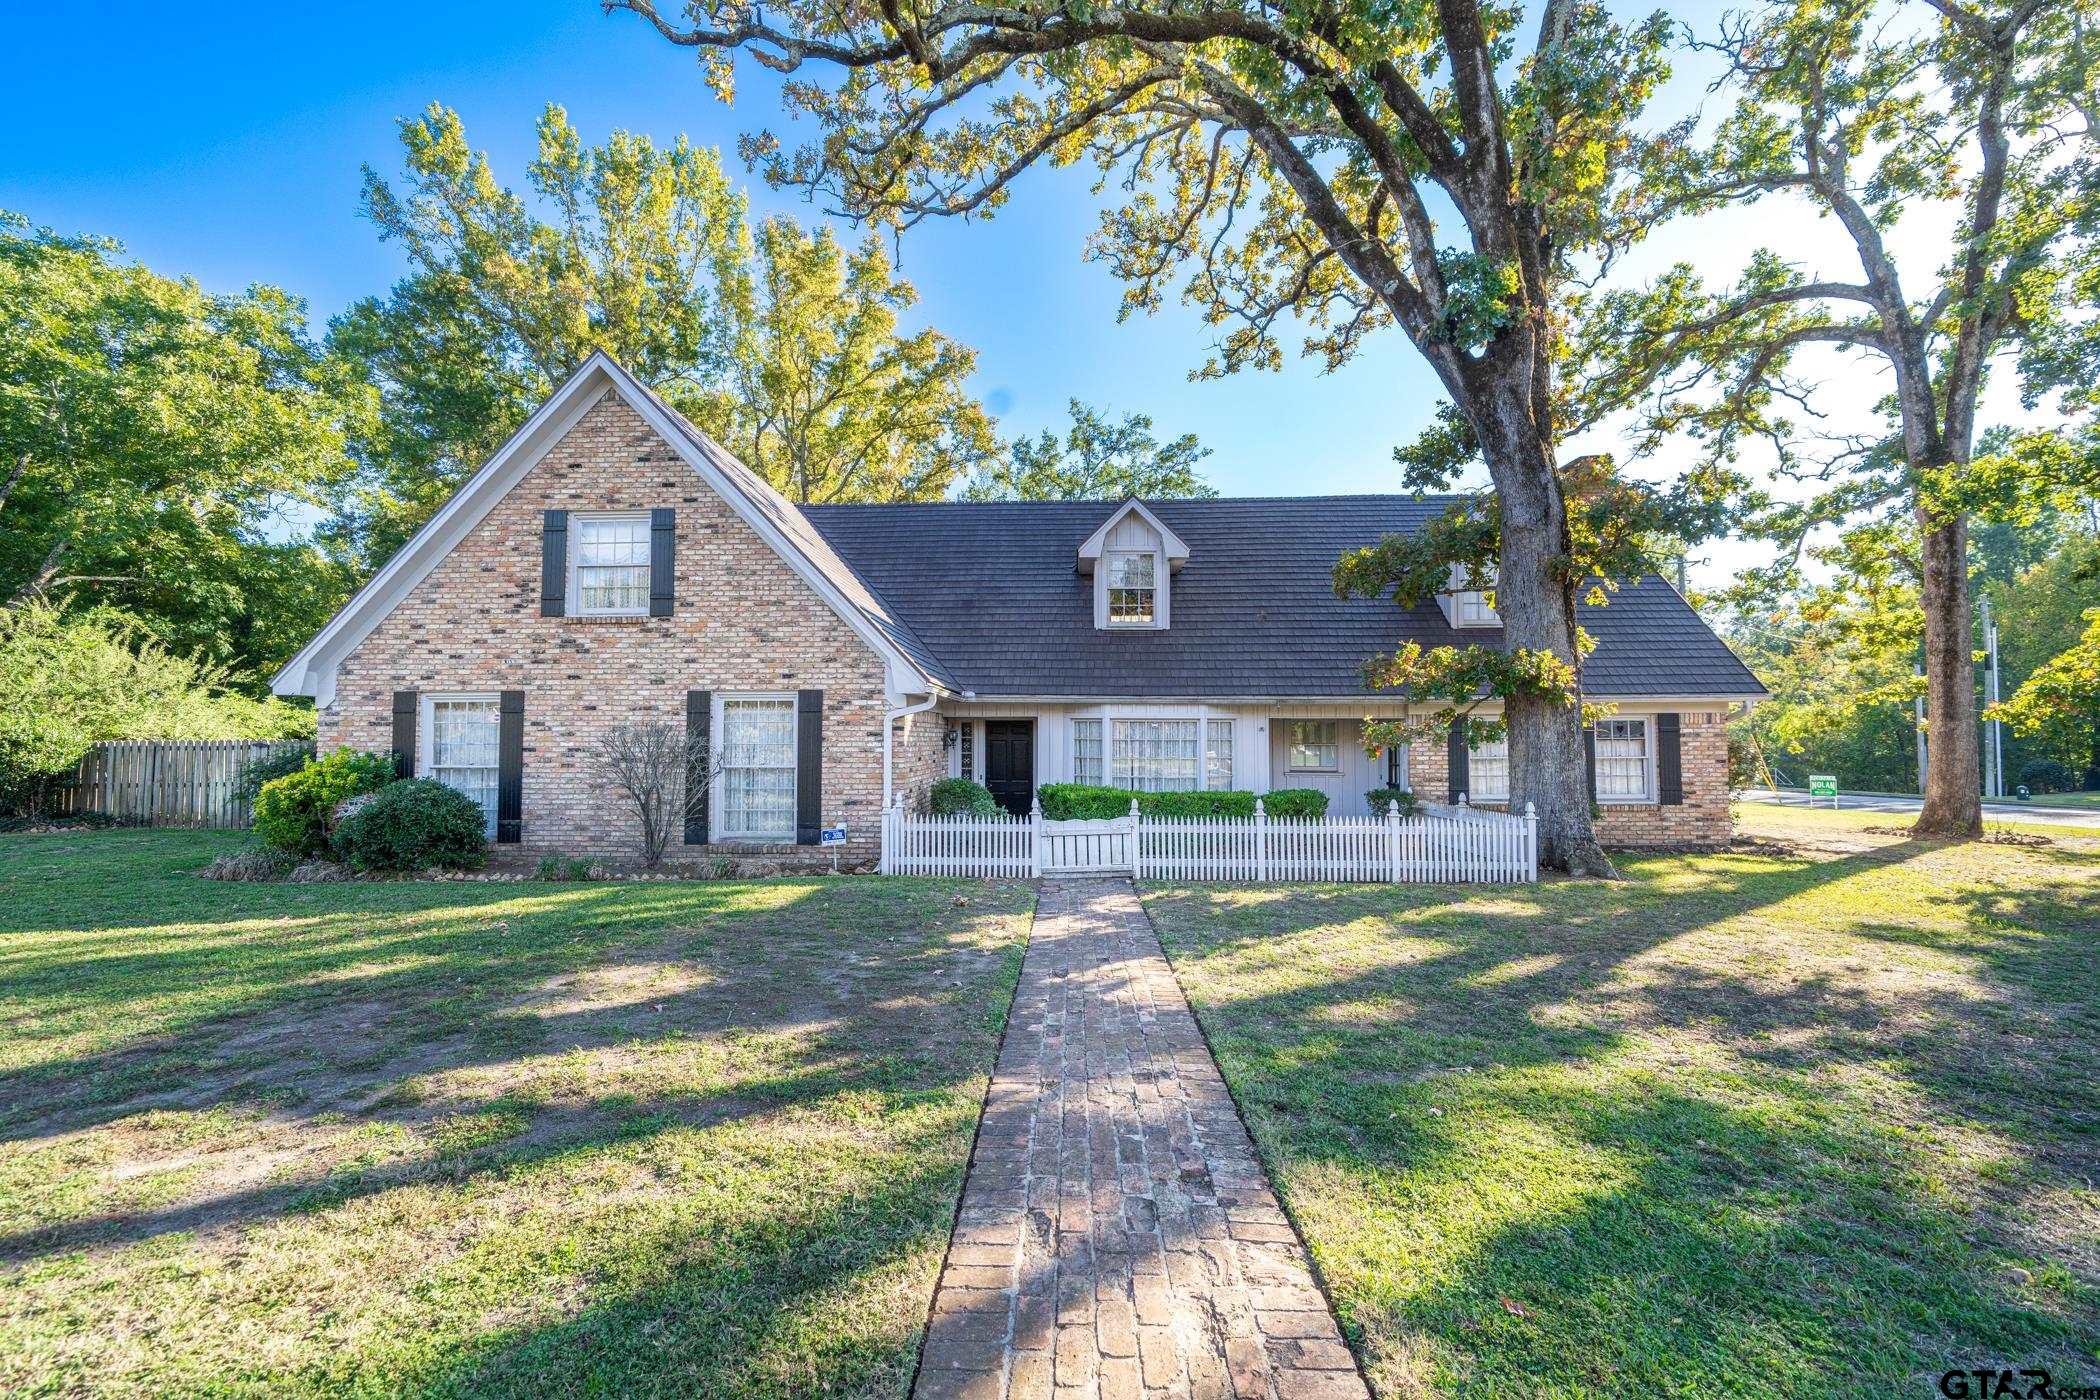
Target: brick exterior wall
x=1702 y=820
x=744 y=620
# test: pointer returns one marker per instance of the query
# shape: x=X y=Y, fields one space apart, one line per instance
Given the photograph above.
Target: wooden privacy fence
x=169 y=782
x=1444 y=845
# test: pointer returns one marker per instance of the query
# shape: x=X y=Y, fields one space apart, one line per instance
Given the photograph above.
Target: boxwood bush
x=959 y=797
x=293 y=812
x=1086 y=802
x=1381 y=798
x=414 y=825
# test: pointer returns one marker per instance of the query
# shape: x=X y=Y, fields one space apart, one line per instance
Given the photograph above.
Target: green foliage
x=2047 y=775
x=785 y=346
x=2060 y=701
x=560 y=868
x=1089 y=802
x=1095 y=461
x=151 y=436
x=960 y=797
x=417 y=824
x=1382 y=798
x=1295 y=803
x=71 y=680
x=295 y=813
x=288 y=759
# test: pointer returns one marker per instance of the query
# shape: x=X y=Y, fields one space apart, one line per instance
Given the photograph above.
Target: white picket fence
x=1443 y=845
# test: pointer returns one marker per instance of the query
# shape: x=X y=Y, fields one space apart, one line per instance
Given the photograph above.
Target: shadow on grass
x=1538 y=1147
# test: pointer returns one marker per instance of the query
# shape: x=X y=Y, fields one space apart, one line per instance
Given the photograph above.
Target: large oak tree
x=1357 y=165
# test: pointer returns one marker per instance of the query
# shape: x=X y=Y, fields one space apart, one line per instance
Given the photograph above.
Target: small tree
x=660 y=769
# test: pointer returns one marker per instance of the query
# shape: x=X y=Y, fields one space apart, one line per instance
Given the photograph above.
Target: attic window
x=1131 y=581
x=1474 y=610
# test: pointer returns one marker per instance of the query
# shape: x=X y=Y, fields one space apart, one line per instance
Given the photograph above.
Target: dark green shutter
x=1589 y=758
x=1456 y=774
x=663 y=546
x=554 y=563
x=1669 y=761
x=405 y=705
x=809 y=767
x=699 y=724
x=510 y=766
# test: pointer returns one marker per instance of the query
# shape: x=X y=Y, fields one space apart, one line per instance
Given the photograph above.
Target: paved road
x=1992 y=811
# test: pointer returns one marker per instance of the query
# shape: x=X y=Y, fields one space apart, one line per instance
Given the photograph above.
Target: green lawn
x=479 y=1138
x=1819 y=1116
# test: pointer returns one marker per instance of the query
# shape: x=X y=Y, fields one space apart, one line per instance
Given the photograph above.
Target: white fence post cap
x=1530 y=812
x=1462 y=801
x=1259 y=809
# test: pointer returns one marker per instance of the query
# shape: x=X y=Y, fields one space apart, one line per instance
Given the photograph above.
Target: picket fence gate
x=168 y=782
x=1444 y=845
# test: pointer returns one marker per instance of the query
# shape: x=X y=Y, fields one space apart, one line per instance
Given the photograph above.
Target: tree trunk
x=1954 y=763
x=1548 y=762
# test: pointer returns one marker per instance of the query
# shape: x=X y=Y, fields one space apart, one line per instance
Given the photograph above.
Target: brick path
x=1117 y=1235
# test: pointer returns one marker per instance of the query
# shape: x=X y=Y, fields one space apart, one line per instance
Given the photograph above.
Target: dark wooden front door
x=1009 y=762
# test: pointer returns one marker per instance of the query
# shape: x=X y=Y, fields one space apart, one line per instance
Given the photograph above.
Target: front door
x=1009 y=763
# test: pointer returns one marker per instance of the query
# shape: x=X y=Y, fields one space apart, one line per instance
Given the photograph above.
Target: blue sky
x=224 y=142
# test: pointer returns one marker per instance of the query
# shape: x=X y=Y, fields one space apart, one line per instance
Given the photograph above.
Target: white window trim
x=426 y=732
x=1108 y=587
x=574 y=594
x=1491 y=618
x=1648 y=795
x=1290 y=761
x=1508 y=776
x=717 y=795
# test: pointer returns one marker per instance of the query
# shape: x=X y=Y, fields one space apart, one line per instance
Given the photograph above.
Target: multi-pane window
x=612 y=564
x=968 y=749
x=1217 y=754
x=1622 y=760
x=1316 y=745
x=1396 y=765
x=1155 y=755
x=463 y=748
x=1086 y=751
x=758 y=768
x=1130 y=585
x=1487 y=771
x=1474 y=610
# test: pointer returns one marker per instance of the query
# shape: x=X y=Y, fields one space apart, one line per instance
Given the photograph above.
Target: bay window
x=1086 y=752
x=1217 y=754
x=1155 y=755
x=757 y=735
x=1622 y=760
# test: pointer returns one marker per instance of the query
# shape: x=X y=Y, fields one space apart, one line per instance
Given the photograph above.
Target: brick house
x=613 y=564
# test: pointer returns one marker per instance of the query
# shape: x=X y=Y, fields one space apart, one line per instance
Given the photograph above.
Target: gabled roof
x=990 y=588
x=1170 y=543
x=912 y=669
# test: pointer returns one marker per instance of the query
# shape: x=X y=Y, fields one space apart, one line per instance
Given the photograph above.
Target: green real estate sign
x=1823 y=785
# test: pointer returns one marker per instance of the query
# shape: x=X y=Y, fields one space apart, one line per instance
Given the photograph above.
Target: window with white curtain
x=1217 y=754
x=1487 y=771
x=610 y=565
x=1155 y=755
x=1316 y=746
x=1086 y=751
x=1622 y=760
x=463 y=734
x=757 y=735
x=1130 y=587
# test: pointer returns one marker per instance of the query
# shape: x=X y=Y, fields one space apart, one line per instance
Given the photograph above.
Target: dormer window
x=1474 y=610
x=1132 y=587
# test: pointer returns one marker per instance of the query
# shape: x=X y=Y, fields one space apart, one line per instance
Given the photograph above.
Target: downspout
x=889 y=724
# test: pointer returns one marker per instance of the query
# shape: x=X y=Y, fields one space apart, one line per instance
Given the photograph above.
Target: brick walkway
x=1117 y=1235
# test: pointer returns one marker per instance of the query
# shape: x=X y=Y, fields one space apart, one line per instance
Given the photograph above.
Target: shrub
x=1295 y=802
x=959 y=797
x=2047 y=775
x=1381 y=798
x=562 y=868
x=414 y=825
x=251 y=863
x=268 y=769
x=294 y=812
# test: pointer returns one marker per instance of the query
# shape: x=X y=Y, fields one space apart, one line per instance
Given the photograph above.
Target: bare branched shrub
x=648 y=764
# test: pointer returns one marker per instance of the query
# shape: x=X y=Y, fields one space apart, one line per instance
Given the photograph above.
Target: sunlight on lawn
x=1812 y=1117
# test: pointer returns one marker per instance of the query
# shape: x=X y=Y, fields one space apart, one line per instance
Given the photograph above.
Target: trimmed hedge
x=1381 y=798
x=1087 y=802
x=293 y=812
x=414 y=825
x=959 y=797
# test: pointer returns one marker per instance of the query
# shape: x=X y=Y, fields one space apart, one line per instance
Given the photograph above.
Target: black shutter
x=510 y=766
x=1669 y=761
x=699 y=752
x=405 y=704
x=809 y=767
x=1456 y=775
x=1589 y=759
x=554 y=563
x=663 y=544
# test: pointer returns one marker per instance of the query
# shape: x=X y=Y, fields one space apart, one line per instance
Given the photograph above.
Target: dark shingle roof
x=993 y=592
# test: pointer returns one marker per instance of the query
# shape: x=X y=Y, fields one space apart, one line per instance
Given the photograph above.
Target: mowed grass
x=466 y=1138
x=1816 y=1116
